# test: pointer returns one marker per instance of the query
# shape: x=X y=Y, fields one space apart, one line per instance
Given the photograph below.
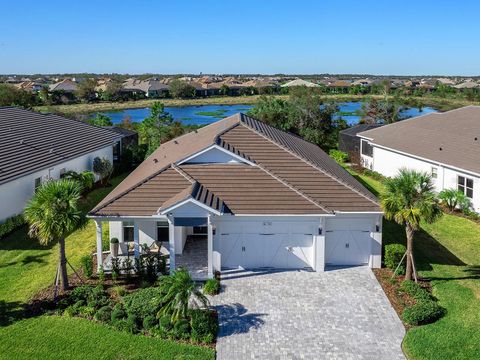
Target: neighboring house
x=263 y=198
x=469 y=84
x=66 y=85
x=349 y=142
x=446 y=145
x=300 y=82
x=36 y=147
x=127 y=138
x=149 y=88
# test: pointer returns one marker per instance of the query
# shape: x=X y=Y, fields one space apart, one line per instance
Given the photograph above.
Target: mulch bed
x=398 y=299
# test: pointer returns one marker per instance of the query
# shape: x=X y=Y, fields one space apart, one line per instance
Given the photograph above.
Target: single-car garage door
x=280 y=245
x=347 y=242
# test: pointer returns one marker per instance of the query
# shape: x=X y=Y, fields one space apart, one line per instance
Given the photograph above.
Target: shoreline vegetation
x=442 y=104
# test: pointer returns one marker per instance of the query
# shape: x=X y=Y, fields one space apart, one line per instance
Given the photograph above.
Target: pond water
x=206 y=114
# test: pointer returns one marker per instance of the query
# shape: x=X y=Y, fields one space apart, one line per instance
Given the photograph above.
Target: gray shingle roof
x=30 y=141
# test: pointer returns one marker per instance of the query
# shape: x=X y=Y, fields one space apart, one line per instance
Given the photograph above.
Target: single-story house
x=36 y=147
x=255 y=196
x=445 y=145
x=65 y=85
x=300 y=82
x=349 y=142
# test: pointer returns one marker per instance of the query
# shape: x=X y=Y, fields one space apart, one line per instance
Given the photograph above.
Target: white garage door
x=253 y=245
x=347 y=242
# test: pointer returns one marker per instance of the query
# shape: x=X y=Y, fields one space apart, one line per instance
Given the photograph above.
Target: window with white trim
x=465 y=185
x=128 y=231
x=367 y=148
x=434 y=172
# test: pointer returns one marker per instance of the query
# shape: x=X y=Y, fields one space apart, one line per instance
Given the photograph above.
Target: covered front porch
x=186 y=242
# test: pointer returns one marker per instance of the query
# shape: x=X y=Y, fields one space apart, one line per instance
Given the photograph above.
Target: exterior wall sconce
x=320 y=231
x=377 y=228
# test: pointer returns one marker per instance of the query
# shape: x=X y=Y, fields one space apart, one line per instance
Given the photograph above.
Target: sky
x=390 y=37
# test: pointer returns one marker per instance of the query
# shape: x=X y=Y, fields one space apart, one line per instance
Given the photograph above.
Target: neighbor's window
x=434 y=172
x=62 y=172
x=128 y=231
x=367 y=148
x=465 y=185
x=38 y=183
x=162 y=231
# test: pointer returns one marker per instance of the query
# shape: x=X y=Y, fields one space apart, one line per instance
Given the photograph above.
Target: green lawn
x=26 y=267
x=448 y=253
x=54 y=337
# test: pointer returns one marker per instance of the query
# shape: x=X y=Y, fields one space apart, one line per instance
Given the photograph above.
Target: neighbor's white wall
x=388 y=162
x=15 y=194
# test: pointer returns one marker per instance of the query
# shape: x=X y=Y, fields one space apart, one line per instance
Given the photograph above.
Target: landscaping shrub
x=339 y=156
x=415 y=290
x=423 y=312
x=393 y=255
x=132 y=324
x=373 y=174
x=211 y=287
x=204 y=325
x=11 y=224
x=166 y=322
x=162 y=265
x=143 y=302
x=97 y=297
x=87 y=265
x=103 y=314
x=118 y=313
x=85 y=178
x=149 y=322
x=453 y=198
x=119 y=291
x=181 y=329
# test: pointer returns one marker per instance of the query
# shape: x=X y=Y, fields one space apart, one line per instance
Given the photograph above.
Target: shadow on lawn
x=427 y=250
x=471 y=273
x=235 y=319
x=19 y=240
x=38 y=259
x=11 y=312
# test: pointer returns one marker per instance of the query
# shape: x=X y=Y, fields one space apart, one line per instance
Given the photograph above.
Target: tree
x=409 y=199
x=11 y=96
x=53 y=214
x=86 y=90
x=273 y=111
x=224 y=90
x=155 y=129
x=112 y=90
x=103 y=168
x=181 y=89
x=101 y=120
x=179 y=290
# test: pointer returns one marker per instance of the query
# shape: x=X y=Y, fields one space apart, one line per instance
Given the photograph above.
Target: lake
x=206 y=114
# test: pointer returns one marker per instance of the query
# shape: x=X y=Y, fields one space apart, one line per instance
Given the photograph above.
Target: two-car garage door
x=267 y=244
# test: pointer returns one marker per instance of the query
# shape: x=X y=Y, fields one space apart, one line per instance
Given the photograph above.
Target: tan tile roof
x=451 y=138
x=290 y=176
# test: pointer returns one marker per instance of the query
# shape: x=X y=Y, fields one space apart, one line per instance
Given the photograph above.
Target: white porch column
x=98 y=226
x=376 y=249
x=136 y=240
x=210 y=247
x=171 y=243
x=319 y=238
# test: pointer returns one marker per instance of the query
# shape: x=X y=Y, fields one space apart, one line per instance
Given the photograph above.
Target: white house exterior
x=36 y=147
x=445 y=145
x=258 y=197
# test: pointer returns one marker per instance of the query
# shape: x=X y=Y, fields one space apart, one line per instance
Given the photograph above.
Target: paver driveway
x=338 y=314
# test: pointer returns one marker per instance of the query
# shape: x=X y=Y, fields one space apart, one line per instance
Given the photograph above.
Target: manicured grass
x=448 y=254
x=54 y=337
x=26 y=267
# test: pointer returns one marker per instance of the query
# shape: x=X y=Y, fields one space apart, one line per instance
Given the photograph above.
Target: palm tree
x=408 y=199
x=179 y=290
x=53 y=214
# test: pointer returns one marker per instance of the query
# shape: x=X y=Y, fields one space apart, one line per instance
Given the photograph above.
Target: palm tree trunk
x=409 y=232
x=63 y=264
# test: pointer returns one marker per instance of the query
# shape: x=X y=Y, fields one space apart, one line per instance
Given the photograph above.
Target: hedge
x=11 y=224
